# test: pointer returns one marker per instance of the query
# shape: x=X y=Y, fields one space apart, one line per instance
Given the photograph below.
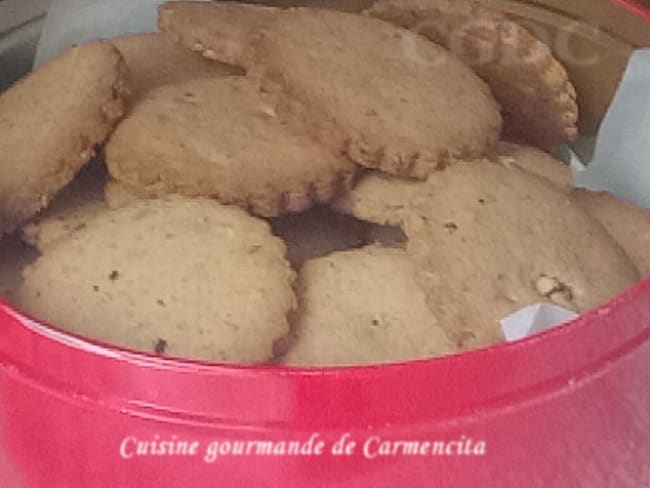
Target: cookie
x=319 y=232
x=538 y=99
x=78 y=203
x=488 y=239
x=153 y=61
x=363 y=307
x=223 y=139
x=175 y=277
x=373 y=91
x=627 y=223
x=50 y=124
x=385 y=200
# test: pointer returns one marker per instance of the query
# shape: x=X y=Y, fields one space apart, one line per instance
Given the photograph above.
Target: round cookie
x=488 y=239
x=363 y=307
x=72 y=208
x=176 y=277
x=153 y=60
x=223 y=139
x=538 y=99
x=50 y=124
x=386 y=98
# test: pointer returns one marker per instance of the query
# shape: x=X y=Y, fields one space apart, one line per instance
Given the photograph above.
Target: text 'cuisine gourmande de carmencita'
x=370 y=448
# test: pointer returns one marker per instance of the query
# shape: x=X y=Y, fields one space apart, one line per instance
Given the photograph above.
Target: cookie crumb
x=161 y=346
x=95 y=287
x=554 y=289
x=114 y=276
x=269 y=111
x=451 y=227
x=160 y=302
x=545 y=285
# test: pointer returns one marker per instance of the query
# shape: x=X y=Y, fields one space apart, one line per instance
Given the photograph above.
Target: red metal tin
x=567 y=408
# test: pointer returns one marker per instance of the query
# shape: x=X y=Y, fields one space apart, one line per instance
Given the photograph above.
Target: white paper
x=534 y=319
x=621 y=164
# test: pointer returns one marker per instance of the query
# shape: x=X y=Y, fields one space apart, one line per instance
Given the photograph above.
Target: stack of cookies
x=305 y=186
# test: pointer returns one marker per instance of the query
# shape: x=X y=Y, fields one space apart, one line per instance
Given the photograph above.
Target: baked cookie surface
x=182 y=278
x=362 y=307
x=488 y=239
x=223 y=139
x=538 y=163
x=627 y=223
x=50 y=124
x=386 y=98
x=539 y=102
x=153 y=60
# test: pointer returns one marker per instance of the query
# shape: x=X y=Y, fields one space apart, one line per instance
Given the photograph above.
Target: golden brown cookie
x=51 y=123
x=72 y=208
x=375 y=92
x=488 y=239
x=153 y=60
x=363 y=307
x=538 y=99
x=223 y=139
x=176 y=277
